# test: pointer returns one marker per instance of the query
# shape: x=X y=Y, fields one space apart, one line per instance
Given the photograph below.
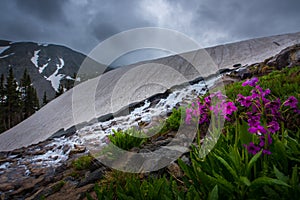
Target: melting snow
x=2 y=49
x=55 y=77
x=69 y=77
x=7 y=55
x=35 y=58
x=5 y=165
x=96 y=133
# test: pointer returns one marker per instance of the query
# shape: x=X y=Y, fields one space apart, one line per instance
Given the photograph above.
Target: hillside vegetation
x=256 y=155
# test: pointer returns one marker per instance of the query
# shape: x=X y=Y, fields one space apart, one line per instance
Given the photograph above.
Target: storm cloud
x=83 y=24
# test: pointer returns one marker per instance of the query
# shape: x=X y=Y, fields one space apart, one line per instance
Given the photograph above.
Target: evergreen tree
x=30 y=101
x=45 y=101
x=2 y=104
x=13 y=103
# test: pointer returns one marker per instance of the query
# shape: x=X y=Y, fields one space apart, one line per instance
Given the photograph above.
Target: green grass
x=82 y=163
x=127 y=139
x=282 y=83
x=119 y=185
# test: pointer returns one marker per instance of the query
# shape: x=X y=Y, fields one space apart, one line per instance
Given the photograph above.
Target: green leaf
x=213 y=195
x=245 y=180
x=295 y=178
x=279 y=153
x=245 y=136
x=88 y=196
x=224 y=183
x=228 y=167
x=280 y=175
x=252 y=162
x=267 y=181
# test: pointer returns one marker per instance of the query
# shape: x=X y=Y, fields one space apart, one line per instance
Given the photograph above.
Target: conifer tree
x=13 y=103
x=29 y=96
x=45 y=101
x=2 y=104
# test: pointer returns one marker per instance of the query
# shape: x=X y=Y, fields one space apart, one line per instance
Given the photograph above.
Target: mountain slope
x=121 y=87
x=47 y=65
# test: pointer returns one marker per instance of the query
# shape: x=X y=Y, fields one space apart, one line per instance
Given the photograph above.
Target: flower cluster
x=214 y=103
x=263 y=115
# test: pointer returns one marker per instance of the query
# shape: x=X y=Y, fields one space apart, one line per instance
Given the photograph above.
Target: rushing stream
x=53 y=153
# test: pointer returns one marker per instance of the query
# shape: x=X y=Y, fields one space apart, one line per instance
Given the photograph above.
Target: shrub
x=127 y=139
x=272 y=169
x=130 y=186
x=173 y=122
x=83 y=162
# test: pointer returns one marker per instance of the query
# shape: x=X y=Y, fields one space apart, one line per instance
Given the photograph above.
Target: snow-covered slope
x=47 y=65
x=119 y=88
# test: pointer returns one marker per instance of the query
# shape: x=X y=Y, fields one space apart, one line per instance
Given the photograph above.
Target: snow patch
x=69 y=78
x=55 y=77
x=7 y=55
x=43 y=44
x=2 y=49
x=35 y=58
x=5 y=165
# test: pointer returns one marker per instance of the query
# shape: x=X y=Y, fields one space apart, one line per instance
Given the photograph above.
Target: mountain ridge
x=48 y=65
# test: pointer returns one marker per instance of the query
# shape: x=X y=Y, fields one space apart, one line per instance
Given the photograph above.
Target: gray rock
x=92 y=177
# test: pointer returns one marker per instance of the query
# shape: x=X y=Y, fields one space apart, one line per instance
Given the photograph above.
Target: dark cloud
x=240 y=20
x=82 y=24
x=49 y=11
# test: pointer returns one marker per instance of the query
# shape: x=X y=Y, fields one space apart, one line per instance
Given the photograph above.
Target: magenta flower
x=230 y=108
x=266 y=151
x=207 y=100
x=253 y=120
x=188 y=117
x=219 y=95
x=291 y=101
x=244 y=101
x=273 y=126
x=252 y=148
x=259 y=130
x=262 y=140
x=273 y=105
x=251 y=82
x=267 y=92
x=203 y=118
x=196 y=112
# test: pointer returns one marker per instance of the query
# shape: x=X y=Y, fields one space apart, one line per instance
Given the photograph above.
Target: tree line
x=17 y=100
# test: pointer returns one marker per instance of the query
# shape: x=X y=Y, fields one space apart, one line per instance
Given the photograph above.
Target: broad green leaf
x=252 y=162
x=245 y=180
x=228 y=167
x=224 y=183
x=235 y=157
x=245 y=136
x=280 y=175
x=213 y=195
x=267 y=181
x=295 y=178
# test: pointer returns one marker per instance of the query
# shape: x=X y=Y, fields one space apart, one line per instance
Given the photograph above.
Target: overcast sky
x=83 y=24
